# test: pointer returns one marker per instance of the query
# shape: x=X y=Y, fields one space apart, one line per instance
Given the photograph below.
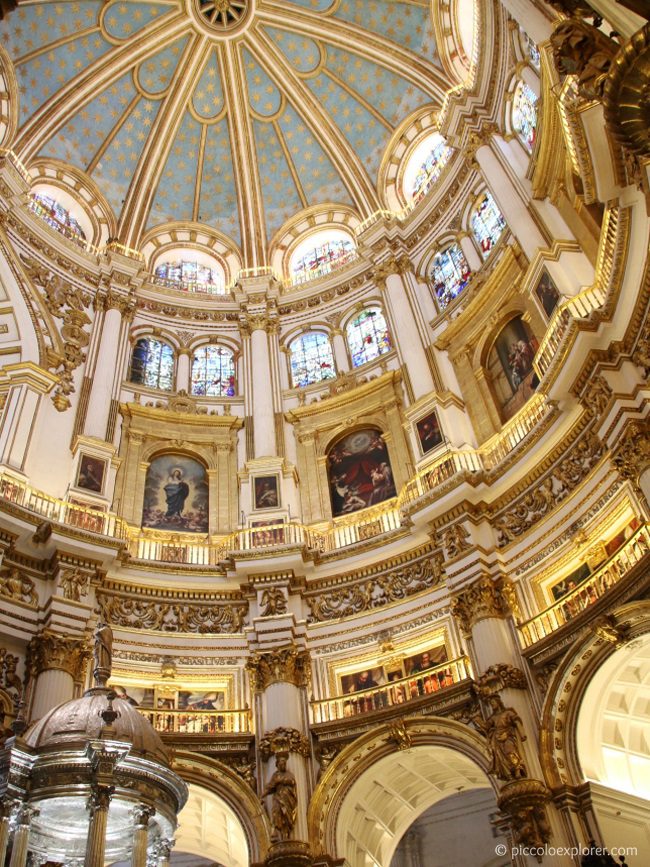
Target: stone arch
x=558 y=741
x=221 y=780
x=466 y=748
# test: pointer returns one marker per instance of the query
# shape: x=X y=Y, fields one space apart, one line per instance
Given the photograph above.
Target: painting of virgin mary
x=176 y=495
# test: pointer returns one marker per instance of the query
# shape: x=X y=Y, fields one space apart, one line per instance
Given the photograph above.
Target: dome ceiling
x=234 y=113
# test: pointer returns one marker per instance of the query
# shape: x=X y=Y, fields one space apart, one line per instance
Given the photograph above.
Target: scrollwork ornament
x=284 y=740
x=626 y=95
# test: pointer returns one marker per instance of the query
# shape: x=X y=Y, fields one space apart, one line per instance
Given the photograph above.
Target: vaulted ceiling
x=240 y=122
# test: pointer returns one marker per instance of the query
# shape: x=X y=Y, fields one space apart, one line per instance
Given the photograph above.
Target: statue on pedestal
x=283 y=789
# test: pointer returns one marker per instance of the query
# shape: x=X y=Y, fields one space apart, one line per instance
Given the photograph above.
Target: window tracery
x=213 y=372
x=425 y=166
x=311 y=359
x=320 y=257
x=152 y=364
x=450 y=274
x=524 y=114
x=368 y=336
x=192 y=276
x=56 y=216
x=487 y=223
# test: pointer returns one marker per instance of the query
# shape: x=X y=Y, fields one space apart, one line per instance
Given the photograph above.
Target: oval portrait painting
x=176 y=495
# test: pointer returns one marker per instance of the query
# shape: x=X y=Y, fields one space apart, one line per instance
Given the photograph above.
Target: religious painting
x=425 y=660
x=176 y=495
x=359 y=471
x=510 y=363
x=570 y=582
x=368 y=678
x=621 y=538
x=272 y=534
x=90 y=475
x=429 y=432
x=138 y=696
x=547 y=293
x=212 y=700
x=266 y=492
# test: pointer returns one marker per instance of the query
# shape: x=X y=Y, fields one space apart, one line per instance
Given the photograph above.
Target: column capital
x=52 y=652
x=485 y=599
x=100 y=798
x=399 y=265
x=284 y=665
x=477 y=139
x=142 y=813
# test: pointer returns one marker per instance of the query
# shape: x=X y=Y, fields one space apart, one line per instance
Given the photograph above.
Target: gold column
x=4 y=838
x=142 y=814
x=98 y=804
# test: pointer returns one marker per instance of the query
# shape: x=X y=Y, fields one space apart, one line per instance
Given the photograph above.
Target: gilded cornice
x=345 y=398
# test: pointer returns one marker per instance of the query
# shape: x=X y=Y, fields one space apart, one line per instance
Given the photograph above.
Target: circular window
x=222 y=17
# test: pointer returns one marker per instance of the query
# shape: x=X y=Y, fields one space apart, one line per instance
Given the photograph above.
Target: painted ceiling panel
x=402 y=21
x=43 y=75
x=80 y=139
x=263 y=95
x=218 y=202
x=365 y=134
x=174 y=198
x=392 y=96
x=54 y=42
x=303 y=54
x=123 y=18
x=319 y=179
x=281 y=199
x=35 y=27
x=115 y=169
x=155 y=74
x=207 y=100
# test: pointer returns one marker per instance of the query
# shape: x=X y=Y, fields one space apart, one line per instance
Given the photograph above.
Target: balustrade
x=589 y=591
x=199 y=722
x=397 y=692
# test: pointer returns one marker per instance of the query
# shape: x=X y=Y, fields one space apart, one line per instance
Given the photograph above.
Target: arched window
x=213 y=372
x=487 y=223
x=191 y=276
x=524 y=114
x=449 y=274
x=318 y=254
x=311 y=359
x=57 y=216
x=368 y=336
x=152 y=364
x=425 y=166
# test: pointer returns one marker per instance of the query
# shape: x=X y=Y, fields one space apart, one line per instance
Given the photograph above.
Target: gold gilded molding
x=485 y=599
x=50 y=651
x=626 y=97
x=284 y=665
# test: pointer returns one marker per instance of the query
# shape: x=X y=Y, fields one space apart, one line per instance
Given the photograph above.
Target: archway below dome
x=613 y=746
x=388 y=797
x=456 y=830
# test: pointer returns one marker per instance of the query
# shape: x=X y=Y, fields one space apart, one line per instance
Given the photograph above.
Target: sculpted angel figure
x=284 y=808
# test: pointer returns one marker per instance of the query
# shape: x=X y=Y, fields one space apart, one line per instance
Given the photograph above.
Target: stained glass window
x=368 y=336
x=321 y=259
x=449 y=274
x=311 y=359
x=152 y=364
x=213 y=372
x=524 y=114
x=57 y=216
x=533 y=51
x=487 y=223
x=431 y=163
x=191 y=276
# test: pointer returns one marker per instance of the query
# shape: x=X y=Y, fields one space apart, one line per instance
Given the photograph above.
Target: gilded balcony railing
x=61 y=511
x=199 y=722
x=589 y=591
x=397 y=692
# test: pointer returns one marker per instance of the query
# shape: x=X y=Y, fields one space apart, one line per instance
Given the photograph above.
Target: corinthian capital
x=49 y=651
x=483 y=600
x=285 y=665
